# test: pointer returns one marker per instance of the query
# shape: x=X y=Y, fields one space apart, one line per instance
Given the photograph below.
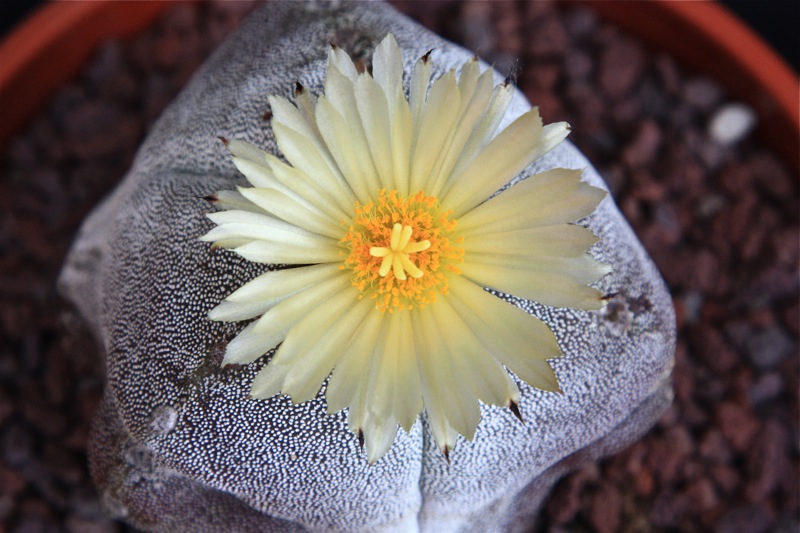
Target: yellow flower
x=386 y=218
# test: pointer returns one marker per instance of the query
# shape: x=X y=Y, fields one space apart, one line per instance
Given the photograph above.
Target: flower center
x=401 y=250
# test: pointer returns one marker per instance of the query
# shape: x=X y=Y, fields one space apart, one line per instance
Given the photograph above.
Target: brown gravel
x=721 y=222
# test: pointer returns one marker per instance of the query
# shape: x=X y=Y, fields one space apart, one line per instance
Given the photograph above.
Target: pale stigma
x=396 y=257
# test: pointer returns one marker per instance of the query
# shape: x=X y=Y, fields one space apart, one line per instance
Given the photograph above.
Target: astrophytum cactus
x=390 y=299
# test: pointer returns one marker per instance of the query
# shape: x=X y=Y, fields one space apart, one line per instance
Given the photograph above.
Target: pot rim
x=50 y=46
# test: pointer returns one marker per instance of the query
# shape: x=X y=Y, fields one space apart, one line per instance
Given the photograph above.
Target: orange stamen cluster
x=401 y=250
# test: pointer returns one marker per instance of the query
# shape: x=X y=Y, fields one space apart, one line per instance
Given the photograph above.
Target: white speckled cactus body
x=178 y=445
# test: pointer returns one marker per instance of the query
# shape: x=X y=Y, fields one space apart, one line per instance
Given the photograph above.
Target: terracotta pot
x=51 y=46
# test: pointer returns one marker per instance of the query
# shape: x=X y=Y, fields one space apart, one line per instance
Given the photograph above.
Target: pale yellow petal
x=486 y=127
x=468 y=77
x=308 y=189
x=273 y=326
x=549 y=285
x=336 y=132
x=313 y=345
x=354 y=370
x=562 y=240
x=436 y=122
x=552 y=197
x=289 y=252
x=448 y=403
x=359 y=417
x=247 y=346
x=443 y=432
x=261 y=176
x=476 y=366
x=264 y=170
x=276 y=284
x=260 y=294
x=297 y=213
x=374 y=112
x=246 y=151
x=387 y=66
x=340 y=61
x=258 y=173
x=379 y=435
x=265 y=333
x=233 y=201
x=256 y=166
x=402 y=130
x=227 y=311
x=552 y=135
x=396 y=390
x=229 y=244
x=420 y=80
x=268 y=381
x=268 y=240
x=473 y=105
x=287 y=114
x=518 y=340
x=306 y=102
x=258 y=226
x=340 y=93
x=583 y=269
x=504 y=157
x=387 y=70
x=339 y=90
x=306 y=157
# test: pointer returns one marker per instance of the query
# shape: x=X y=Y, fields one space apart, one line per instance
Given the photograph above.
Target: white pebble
x=731 y=123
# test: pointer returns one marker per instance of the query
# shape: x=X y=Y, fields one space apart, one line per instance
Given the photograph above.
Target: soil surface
x=717 y=211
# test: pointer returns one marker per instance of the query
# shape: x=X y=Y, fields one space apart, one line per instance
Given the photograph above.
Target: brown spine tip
x=427 y=56
x=361 y=439
x=298 y=88
x=609 y=296
x=333 y=45
x=446 y=452
x=515 y=409
x=224 y=140
x=267 y=115
x=211 y=198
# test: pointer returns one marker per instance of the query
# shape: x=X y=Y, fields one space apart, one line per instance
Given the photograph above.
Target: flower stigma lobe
x=396 y=257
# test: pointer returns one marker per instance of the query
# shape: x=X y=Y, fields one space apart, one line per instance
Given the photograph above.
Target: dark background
x=777 y=21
